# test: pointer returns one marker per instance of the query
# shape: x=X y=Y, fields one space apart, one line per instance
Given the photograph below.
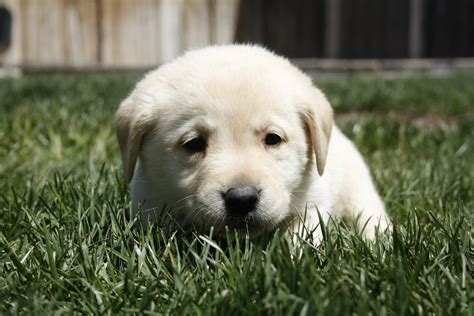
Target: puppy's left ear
x=317 y=115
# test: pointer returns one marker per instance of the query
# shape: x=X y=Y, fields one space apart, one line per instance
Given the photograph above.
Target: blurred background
x=320 y=35
x=399 y=75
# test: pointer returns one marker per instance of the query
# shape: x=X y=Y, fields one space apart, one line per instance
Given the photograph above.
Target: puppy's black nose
x=241 y=200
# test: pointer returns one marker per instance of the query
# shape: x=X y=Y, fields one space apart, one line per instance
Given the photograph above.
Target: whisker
x=176 y=203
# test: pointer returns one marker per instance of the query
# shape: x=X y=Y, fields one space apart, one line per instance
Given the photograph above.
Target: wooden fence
x=143 y=33
x=360 y=28
x=112 y=33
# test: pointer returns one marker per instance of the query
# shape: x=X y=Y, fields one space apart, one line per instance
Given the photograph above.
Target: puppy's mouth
x=253 y=224
x=242 y=209
x=249 y=221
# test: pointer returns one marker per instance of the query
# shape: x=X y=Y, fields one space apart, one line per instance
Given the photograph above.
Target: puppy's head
x=224 y=136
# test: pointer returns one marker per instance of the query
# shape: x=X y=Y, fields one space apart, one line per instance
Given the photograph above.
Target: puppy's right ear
x=131 y=128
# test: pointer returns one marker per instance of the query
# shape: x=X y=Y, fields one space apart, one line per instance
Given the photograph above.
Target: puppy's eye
x=272 y=139
x=197 y=144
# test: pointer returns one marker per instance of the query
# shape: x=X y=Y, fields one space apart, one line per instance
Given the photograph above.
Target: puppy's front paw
x=375 y=225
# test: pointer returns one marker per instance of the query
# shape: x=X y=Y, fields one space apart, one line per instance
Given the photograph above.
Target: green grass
x=451 y=95
x=67 y=245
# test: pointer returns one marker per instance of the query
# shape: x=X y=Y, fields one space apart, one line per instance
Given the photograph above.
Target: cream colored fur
x=233 y=96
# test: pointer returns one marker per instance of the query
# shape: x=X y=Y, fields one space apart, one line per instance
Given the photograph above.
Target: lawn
x=67 y=243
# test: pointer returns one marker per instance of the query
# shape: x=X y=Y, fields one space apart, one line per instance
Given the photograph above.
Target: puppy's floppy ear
x=317 y=115
x=131 y=128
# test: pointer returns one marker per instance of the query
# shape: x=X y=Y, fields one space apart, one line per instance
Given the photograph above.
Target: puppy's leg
x=308 y=226
x=366 y=207
x=358 y=198
x=313 y=213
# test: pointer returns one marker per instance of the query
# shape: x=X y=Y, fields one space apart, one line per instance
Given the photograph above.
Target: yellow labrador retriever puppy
x=236 y=136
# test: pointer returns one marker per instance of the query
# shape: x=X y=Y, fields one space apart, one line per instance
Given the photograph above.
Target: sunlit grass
x=68 y=243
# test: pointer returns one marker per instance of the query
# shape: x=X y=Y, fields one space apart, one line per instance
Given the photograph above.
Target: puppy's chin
x=253 y=224
x=205 y=211
x=250 y=224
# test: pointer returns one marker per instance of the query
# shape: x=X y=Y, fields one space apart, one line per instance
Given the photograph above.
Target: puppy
x=235 y=136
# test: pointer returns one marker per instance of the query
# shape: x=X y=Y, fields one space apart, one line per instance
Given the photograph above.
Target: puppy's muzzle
x=241 y=200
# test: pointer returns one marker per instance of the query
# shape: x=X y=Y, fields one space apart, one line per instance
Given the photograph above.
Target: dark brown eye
x=272 y=139
x=197 y=144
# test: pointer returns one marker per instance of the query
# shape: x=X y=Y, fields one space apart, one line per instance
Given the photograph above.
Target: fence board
x=13 y=54
x=52 y=32
x=450 y=28
x=130 y=33
x=292 y=28
x=223 y=20
x=144 y=33
x=373 y=28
